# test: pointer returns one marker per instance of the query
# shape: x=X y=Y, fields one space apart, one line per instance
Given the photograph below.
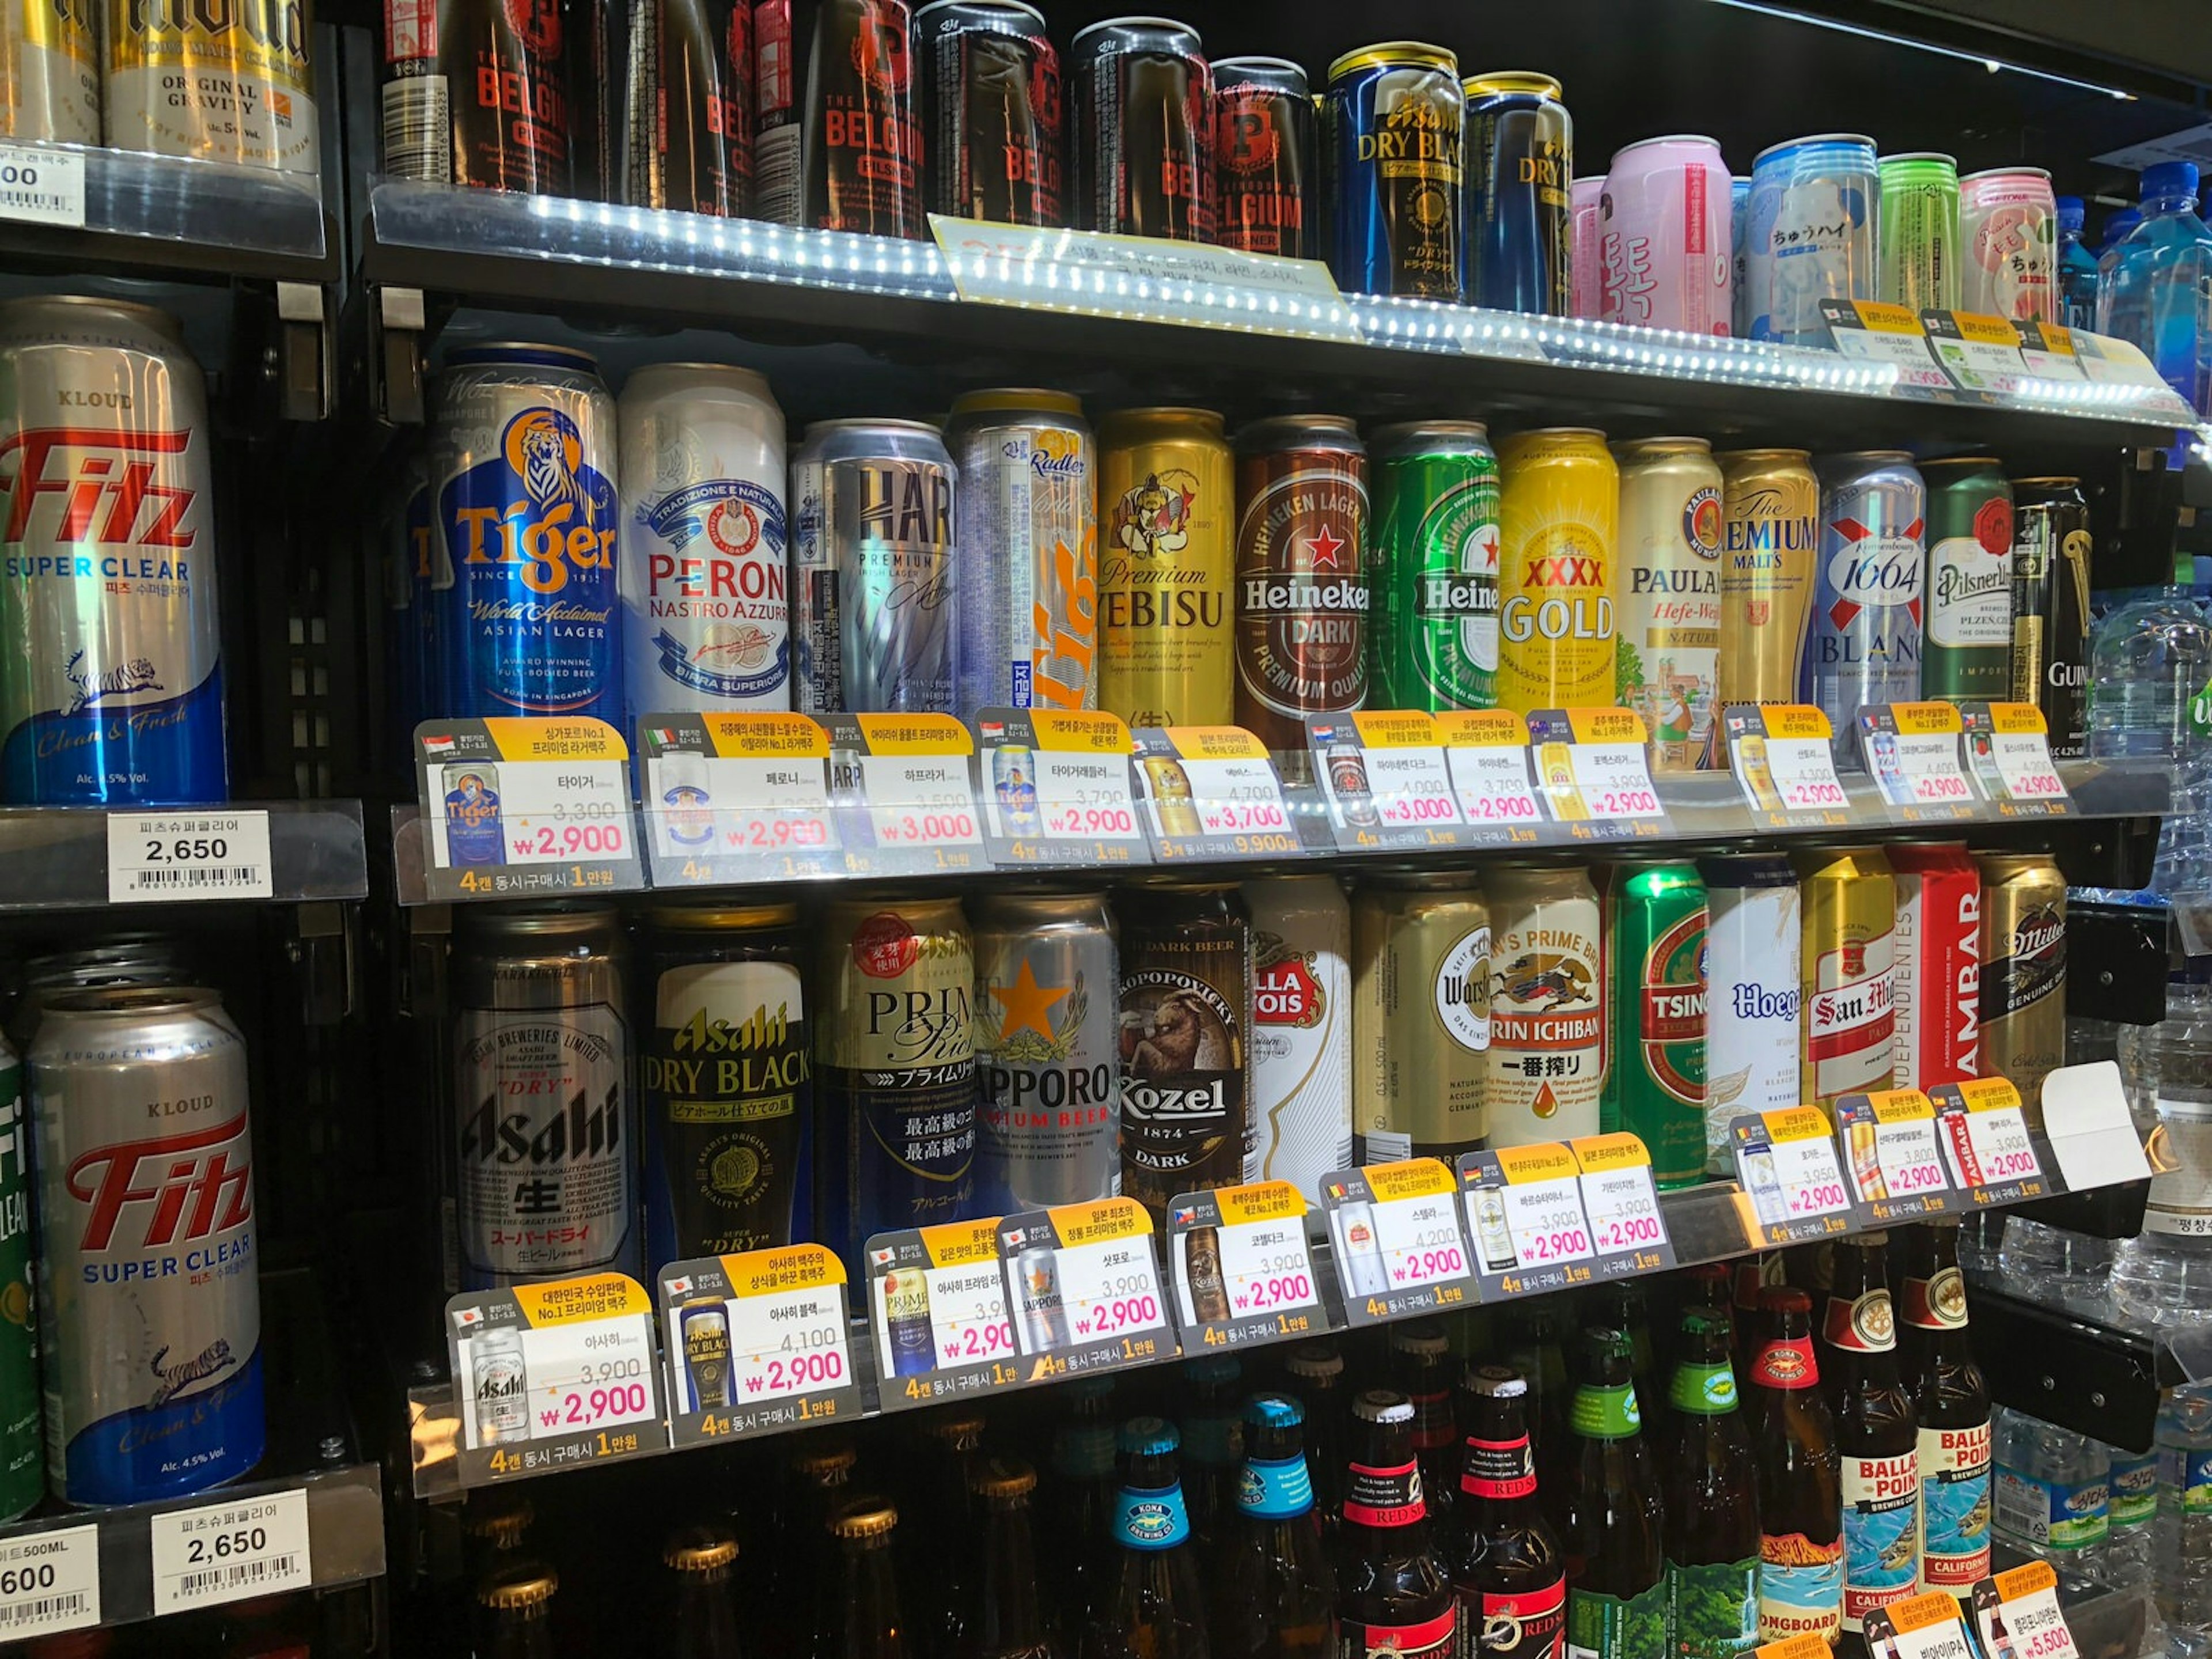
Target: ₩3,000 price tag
x=227 y=1551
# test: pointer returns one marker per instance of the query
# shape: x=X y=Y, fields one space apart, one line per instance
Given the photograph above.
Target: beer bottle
x=1951 y=1405
x=859 y=1615
x=1801 y=1506
x=818 y=1480
x=1713 y=1503
x=1212 y=1433
x=1003 y=1618
x=1391 y=1593
x=515 y=1612
x=1620 y=1306
x=1533 y=1348
x=1754 y=1275
x=1707 y=1285
x=495 y=1527
x=1313 y=1372
x=704 y=1617
x=1277 y=1597
x=1507 y=1573
x=1080 y=1519
x=1151 y=1605
x=1876 y=1432
x=1616 y=1574
x=1421 y=1370
x=937 y=1501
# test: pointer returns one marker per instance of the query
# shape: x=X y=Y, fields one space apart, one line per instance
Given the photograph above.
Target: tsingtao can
x=1422 y=979
x=1141 y=141
x=1754 y=941
x=2023 y=972
x=1263 y=157
x=1558 y=524
x=1938 y=954
x=1663 y=236
x=1392 y=137
x=49 y=72
x=1919 y=240
x=1547 y=1004
x=1769 y=526
x=23 y=1464
x=1301 y=1036
x=1668 y=615
x=1865 y=639
x=1849 y=907
x=1520 y=155
x=1655 y=1063
x=2051 y=547
x=1815 y=202
x=1433 y=609
x=1167 y=504
x=219 y=83
x=991 y=111
x=860 y=148
x=2009 y=234
x=1966 y=595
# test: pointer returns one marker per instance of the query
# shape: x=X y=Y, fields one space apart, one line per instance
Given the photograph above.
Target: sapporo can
x=1422 y=980
x=1048 y=1125
x=1668 y=576
x=150 y=1293
x=250 y=97
x=2050 y=547
x=1655 y=1062
x=1938 y=954
x=1029 y=575
x=1754 y=937
x=1558 y=523
x=1547 y=1004
x=1966 y=596
x=1919 y=240
x=1770 y=529
x=2009 y=234
x=1393 y=137
x=1301 y=1036
x=1167 y=503
x=23 y=1468
x=1849 y=907
x=487 y=106
x=1141 y=144
x=2023 y=972
x=990 y=98
x=1263 y=157
x=1520 y=155
x=1863 y=645
x=1432 y=568
x=1301 y=575
x=49 y=73
x=1185 y=1012
x=860 y=147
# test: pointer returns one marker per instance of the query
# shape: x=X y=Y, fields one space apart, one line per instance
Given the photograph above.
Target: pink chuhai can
x=1666 y=246
x=1588 y=268
x=2009 y=243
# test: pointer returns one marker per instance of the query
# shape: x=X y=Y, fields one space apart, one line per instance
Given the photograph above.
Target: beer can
x=1668 y=621
x=523 y=468
x=1013 y=783
x=2009 y=234
x=1395 y=115
x=149 y=1289
x=1738 y=280
x=1301 y=1039
x=990 y=100
x=1663 y=229
x=1185 y=1013
x=220 y=83
x=1166 y=568
x=1586 y=244
x=2050 y=547
x=1170 y=788
x=1422 y=979
x=49 y=72
x=420 y=571
x=1849 y=901
x=1558 y=517
x=706 y=613
x=1547 y=1004
x=1966 y=594
x=109 y=620
x=22 y=1463
x=1432 y=606
x=1141 y=144
x=874 y=569
x=1864 y=643
x=2023 y=972
x=1520 y=150
x=895 y=1063
x=776 y=125
x=469 y=98
x=1029 y=577
x=860 y=145
x=1770 y=526
x=1813 y=203
x=1938 y=953
x=1201 y=1259
x=543 y=1126
x=132 y=958
x=1755 y=938
x=596 y=38
x=1045 y=1310
x=1263 y=157
x=1049 y=1122
x=1654 y=1068
x=1919 y=240
x=687 y=106
x=705 y=1327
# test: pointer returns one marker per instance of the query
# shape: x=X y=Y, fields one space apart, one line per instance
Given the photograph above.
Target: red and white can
x=1665 y=245
x=1585 y=254
x=1938 y=965
x=2009 y=241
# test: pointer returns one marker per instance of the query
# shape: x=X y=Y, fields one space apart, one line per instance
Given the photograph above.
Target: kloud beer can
x=2009 y=234
x=1586 y=244
x=139 y=959
x=1668 y=616
x=523 y=468
x=23 y=1464
x=1422 y=979
x=1770 y=529
x=2051 y=547
x=725 y=1082
x=1301 y=575
x=1938 y=955
x=1654 y=1061
x=1558 y=519
x=476 y=94
x=1263 y=157
x=1739 y=272
x=1814 y=204
x=1754 y=940
x=1919 y=229
x=49 y=72
x=1301 y=1036
x=1029 y=579
x=149 y=1290
x=1141 y=141
x=707 y=615
x=108 y=614
x=1167 y=489
x=860 y=148
x=1393 y=132
x=1432 y=573
x=1966 y=595
x=1850 y=905
x=990 y=100
x=543 y=1128
x=874 y=569
x=687 y=106
x=1520 y=149
x=228 y=83
x=1547 y=1004
x=1663 y=236
x=1050 y=1120
x=776 y=125
x=1864 y=644
x=2023 y=972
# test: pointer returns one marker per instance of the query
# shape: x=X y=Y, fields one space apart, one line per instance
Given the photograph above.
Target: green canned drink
x=1432 y=570
x=23 y=1452
x=1919 y=232
x=1966 y=597
x=1655 y=1071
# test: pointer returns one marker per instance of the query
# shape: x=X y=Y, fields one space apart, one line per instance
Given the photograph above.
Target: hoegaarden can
x=1432 y=568
x=1655 y=1068
x=23 y=1452
x=1966 y=595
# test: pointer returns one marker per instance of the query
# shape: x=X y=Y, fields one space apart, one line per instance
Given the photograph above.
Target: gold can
x=2023 y=972
x=1849 y=902
x=1770 y=537
x=1167 y=513
x=49 y=72
x=1559 y=517
x=221 y=83
x=1547 y=1073
x=1668 y=615
x=1420 y=1017
x=1171 y=796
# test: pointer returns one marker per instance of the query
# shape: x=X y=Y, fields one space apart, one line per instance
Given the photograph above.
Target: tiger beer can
x=2023 y=972
x=1849 y=967
x=1655 y=1072
x=49 y=72
x=1547 y=1004
x=1558 y=521
x=1939 y=964
x=1420 y=1017
x=1302 y=1015
x=1753 y=939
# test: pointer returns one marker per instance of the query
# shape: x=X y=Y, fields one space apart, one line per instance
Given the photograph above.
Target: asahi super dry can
x=1520 y=152
x=1558 y=519
x=1939 y=965
x=1263 y=157
x=861 y=147
x=1850 y=905
x=990 y=98
x=1655 y=1063
x=1432 y=581
x=1547 y=1004
x=1421 y=1024
x=1668 y=577
x=1142 y=138
x=1167 y=504
x=1301 y=1031
x=2051 y=549
x=1391 y=139
x=1966 y=596
x=2023 y=972
x=1770 y=524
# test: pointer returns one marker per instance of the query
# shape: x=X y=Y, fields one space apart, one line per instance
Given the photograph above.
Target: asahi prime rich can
x=1547 y=1004
x=1668 y=577
x=149 y=1288
x=1849 y=905
x=1655 y=1062
x=861 y=151
x=22 y=1463
x=1938 y=953
x=1919 y=239
x=1422 y=977
x=1769 y=526
x=1301 y=1035
x=1558 y=522
x=1167 y=504
x=1391 y=135
x=1432 y=568
x=1864 y=644
x=990 y=100
x=1966 y=596
x=1754 y=940
x=221 y=84
x=686 y=98
x=1520 y=153
x=2023 y=972
x=479 y=95
x=1263 y=157
x=50 y=72
x=2050 y=546
x=1141 y=139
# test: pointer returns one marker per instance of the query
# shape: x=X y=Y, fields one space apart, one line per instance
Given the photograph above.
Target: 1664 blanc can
x=1432 y=613
x=990 y=98
x=2023 y=972
x=1849 y=907
x=1167 y=501
x=23 y=1466
x=1919 y=232
x=248 y=91
x=50 y=72
x=2050 y=549
x=149 y=1296
x=1814 y=206
x=1938 y=953
x=1864 y=644
x=1966 y=595
x=1558 y=522
x=1263 y=156
x=860 y=148
x=1547 y=1004
x=2009 y=234
x=1141 y=144
x=477 y=95
x=1753 y=945
x=1668 y=615
x=1392 y=134
x=1520 y=154
x=1586 y=239
x=1421 y=989
x=1301 y=1037
x=1664 y=241
x=1770 y=526
x=107 y=609
x=1654 y=1063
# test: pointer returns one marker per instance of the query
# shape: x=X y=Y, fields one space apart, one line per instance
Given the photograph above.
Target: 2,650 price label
x=166 y=856
x=228 y=1550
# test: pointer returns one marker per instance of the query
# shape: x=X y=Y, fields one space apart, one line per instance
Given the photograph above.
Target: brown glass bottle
x=1151 y=1602
x=1951 y=1406
x=1801 y=1505
x=857 y=1616
x=1620 y=1306
x=936 y=1499
x=1212 y=1429
x=1753 y=1274
x=1276 y=1592
x=1391 y=1591
x=1616 y=1517
x=494 y=1530
x=1707 y=1285
x=1877 y=1432
x=1712 y=1498
x=818 y=1480
x=515 y=1612
x=1003 y=1617
x=1313 y=1372
x=1421 y=1370
x=1079 y=1520
x=1533 y=1335
x=1508 y=1571
x=703 y=1611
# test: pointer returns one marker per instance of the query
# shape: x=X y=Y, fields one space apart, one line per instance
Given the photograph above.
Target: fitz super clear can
x=1167 y=508
x=1547 y=1004
x=22 y=1467
x=2051 y=549
x=221 y=83
x=1669 y=614
x=149 y=1290
x=1421 y=1031
x=1432 y=617
x=1520 y=151
x=2023 y=972
x=1769 y=526
x=50 y=72
x=1391 y=141
x=1939 y=965
x=1263 y=157
x=1753 y=966
x=1966 y=595
x=1866 y=632
x=990 y=100
x=1814 y=206
x=1850 y=905
x=1141 y=141
x=860 y=148
x=1559 y=523
x=1301 y=1036
x=1654 y=1070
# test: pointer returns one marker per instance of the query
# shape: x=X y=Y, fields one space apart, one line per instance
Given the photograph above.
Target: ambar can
x=2008 y=231
x=1770 y=529
x=860 y=148
x=476 y=95
x=1663 y=236
x=1520 y=179
x=248 y=89
x=1392 y=134
x=1167 y=503
x=1142 y=134
x=1938 y=953
x=1432 y=568
x=1547 y=1004
x=1864 y=644
x=687 y=106
x=23 y=1465
x=1263 y=157
x=1919 y=229
x=2051 y=547
x=1813 y=208
x=50 y=72
x=990 y=98
x=1754 y=939
x=1301 y=1036
x=2023 y=972
x=1966 y=596
x=1849 y=907
x=1668 y=577
x=1423 y=977
x=1559 y=523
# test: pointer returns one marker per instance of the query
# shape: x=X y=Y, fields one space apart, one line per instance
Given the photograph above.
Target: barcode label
x=217 y=854
x=418 y=129
x=48 y=1613
x=243 y=1575
x=44 y=186
x=775 y=175
x=49 y=1580
x=225 y=1551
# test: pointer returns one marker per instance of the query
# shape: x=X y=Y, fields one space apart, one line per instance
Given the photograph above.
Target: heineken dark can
x=1432 y=568
x=2051 y=545
x=1391 y=149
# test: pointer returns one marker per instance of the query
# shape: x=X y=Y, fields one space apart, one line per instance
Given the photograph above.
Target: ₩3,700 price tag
x=227 y=1551
x=1212 y=792
x=757 y=1342
x=1626 y=1228
x=1786 y=1161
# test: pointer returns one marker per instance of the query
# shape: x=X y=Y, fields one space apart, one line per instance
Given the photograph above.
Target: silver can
x=118 y=960
x=223 y=84
x=1754 y=942
x=149 y=1294
x=1301 y=1030
x=1044 y=1314
x=499 y=1388
x=49 y=71
x=874 y=569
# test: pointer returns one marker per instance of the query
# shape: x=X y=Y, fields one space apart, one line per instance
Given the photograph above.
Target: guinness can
x=2023 y=972
x=1392 y=138
x=1263 y=151
x=861 y=151
x=990 y=103
x=2050 y=546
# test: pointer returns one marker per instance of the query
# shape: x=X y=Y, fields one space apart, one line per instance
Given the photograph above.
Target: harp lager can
x=1167 y=503
x=1966 y=597
x=2023 y=972
x=1654 y=1070
x=1421 y=1031
x=1432 y=614
x=1547 y=1004
x=1558 y=523
x=1848 y=963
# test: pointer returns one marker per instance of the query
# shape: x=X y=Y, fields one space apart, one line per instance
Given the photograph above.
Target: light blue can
x=1866 y=627
x=1811 y=235
x=1740 y=226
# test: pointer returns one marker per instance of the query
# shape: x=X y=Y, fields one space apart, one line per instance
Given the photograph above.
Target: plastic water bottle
x=2117 y=227
x=2148 y=659
x=2164 y=1274
x=2077 y=267
x=2133 y=1484
x=2150 y=283
x=2052 y=1491
x=2182 y=1542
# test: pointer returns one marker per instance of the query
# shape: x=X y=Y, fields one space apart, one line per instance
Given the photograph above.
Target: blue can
x=1391 y=157
x=1739 y=227
x=1520 y=150
x=1866 y=627
x=475 y=837
x=1811 y=235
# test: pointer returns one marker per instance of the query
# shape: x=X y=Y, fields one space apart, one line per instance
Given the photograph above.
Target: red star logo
x=1486 y=543
x=1324 y=547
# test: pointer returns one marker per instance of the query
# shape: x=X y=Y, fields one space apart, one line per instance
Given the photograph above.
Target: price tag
x=1911 y=751
x=1082 y=1287
x=1241 y=1267
x=227 y=1551
x=167 y=856
x=1786 y=1163
x=1808 y=1644
x=1891 y=1156
x=755 y=1343
x=2017 y=1613
x=902 y=794
x=1394 y=1228
x=1626 y=1228
x=1488 y=753
x=1925 y=1626
x=1524 y=1212
x=40 y=186
x=1784 y=759
x=919 y=802
x=737 y=798
x=517 y=807
x=1055 y=788
x=1866 y=331
x=2047 y=349
x=1980 y=352
x=937 y=1305
x=1593 y=767
x=1984 y=1132
x=1211 y=792
x=49 y=1582
x=2009 y=750
x=2109 y=361
x=1385 y=778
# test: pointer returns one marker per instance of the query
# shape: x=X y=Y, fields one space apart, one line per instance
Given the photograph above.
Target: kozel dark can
x=861 y=151
x=990 y=112
x=2050 y=546
x=1142 y=131
x=1263 y=149
x=476 y=94
x=688 y=106
x=1520 y=175
x=1391 y=149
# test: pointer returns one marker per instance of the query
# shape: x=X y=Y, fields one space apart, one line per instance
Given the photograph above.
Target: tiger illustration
x=127 y=680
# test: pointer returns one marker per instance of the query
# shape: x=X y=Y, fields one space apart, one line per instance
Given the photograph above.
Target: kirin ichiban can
x=2023 y=972
x=1770 y=526
x=1049 y=1122
x=1755 y=938
x=1654 y=1061
x=687 y=105
x=860 y=148
x=1547 y=1004
x=477 y=95
x=522 y=468
x=1520 y=152
x=249 y=95
x=1141 y=144
x=1301 y=1036
x=1029 y=575
x=1422 y=982
x=1263 y=157
x=1668 y=614
x=1432 y=615
x=2050 y=551
x=1939 y=964
x=149 y=1290
x=1864 y=643
x=1558 y=523
x=990 y=100
x=874 y=569
x=1814 y=206
x=1966 y=595
x=1919 y=227
x=707 y=614
x=1849 y=905
x=2009 y=234
x=108 y=613
x=1167 y=489
x=50 y=72
x=1391 y=139
x=1664 y=236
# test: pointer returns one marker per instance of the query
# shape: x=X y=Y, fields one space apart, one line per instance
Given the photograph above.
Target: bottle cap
x=1002 y=1477
x=524 y=1587
x=498 y=1518
x=1209 y=1368
x=821 y=1463
x=700 y=1549
x=1315 y=1359
x=1421 y=1337
x=1273 y=1411
x=1147 y=1436
x=2169 y=178
x=1704 y=1321
x=952 y=1427
x=864 y=1517
x=2073 y=213
x=1380 y=1405
x=1785 y=1298
x=1496 y=1382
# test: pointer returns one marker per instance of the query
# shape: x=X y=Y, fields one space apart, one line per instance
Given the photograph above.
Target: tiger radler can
x=1770 y=530
x=1547 y=1004
x=1558 y=524
x=1664 y=238
x=1391 y=133
x=1939 y=964
x=1919 y=232
x=2023 y=972
x=1669 y=579
x=1655 y=1060
x=1432 y=624
x=1754 y=937
x=1302 y=1020
x=49 y=73
x=1422 y=982
x=221 y=83
x=1966 y=596
x=1167 y=506
x=1849 y=902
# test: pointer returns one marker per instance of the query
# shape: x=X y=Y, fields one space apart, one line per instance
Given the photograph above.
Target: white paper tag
x=1623 y=1208
x=1111 y=1289
x=1492 y=783
x=1929 y=763
x=228 y=1550
x=1614 y=780
x=1265 y=1268
x=1804 y=772
x=1412 y=787
x=921 y=800
x=1981 y=365
x=1420 y=1241
x=49 y=1580
x=1546 y=1221
x=1086 y=796
x=42 y=187
x=1236 y=797
x=1906 y=1154
x=1915 y=366
x=2092 y=1134
x=968 y=1313
x=760 y=808
x=2023 y=761
x=217 y=854
x=2034 y=1626
x=787 y=1343
x=555 y=812
x=593 y=1373
x=1811 y=1179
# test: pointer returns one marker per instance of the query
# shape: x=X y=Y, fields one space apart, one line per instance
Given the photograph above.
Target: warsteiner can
x=1432 y=568
x=1755 y=938
x=1668 y=578
x=1966 y=597
x=221 y=84
x=860 y=145
x=23 y=1467
x=1939 y=965
x=1850 y=905
x=1167 y=503
x=1558 y=521
x=1421 y=1024
x=1301 y=1037
x=2051 y=547
x=50 y=74
x=1655 y=1063
x=2023 y=972
x=1770 y=531
x=1391 y=137
x=1547 y=1004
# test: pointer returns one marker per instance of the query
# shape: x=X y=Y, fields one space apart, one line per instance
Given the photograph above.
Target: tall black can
x=2050 y=547
x=990 y=100
x=594 y=42
x=1263 y=157
x=476 y=92
x=862 y=151
x=1520 y=155
x=688 y=106
x=1142 y=131
x=1393 y=133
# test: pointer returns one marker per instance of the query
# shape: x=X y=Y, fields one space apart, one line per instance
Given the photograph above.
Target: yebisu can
x=1866 y=636
x=1813 y=203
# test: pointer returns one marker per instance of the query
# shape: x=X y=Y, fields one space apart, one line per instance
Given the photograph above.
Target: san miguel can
x=1167 y=504
x=1423 y=977
x=1141 y=141
x=1263 y=157
x=108 y=614
x=2051 y=549
x=1865 y=646
x=2009 y=234
x=1520 y=150
x=149 y=1289
x=1664 y=236
x=1547 y=1004
x=1301 y=1031
x=1769 y=526
x=1655 y=1068
x=687 y=101
x=990 y=97
x=49 y=74
x=1558 y=523
x=251 y=97
x=1815 y=205
x=1966 y=595
x=1754 y=937
x=23 y=1467
x=860 y=148
x=478 y=94
x=1938 y=954
x=1667 y=616
x=1919 y=239
x=2023 y=972
x=1391 y=141
x=1432 y=565
x=1301 y=575
x=1849 y=907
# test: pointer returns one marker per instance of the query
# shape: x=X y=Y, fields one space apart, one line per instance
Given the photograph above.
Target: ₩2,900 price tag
x=756 y=1343
x=227 y=1551
x=1240 y=1269
x=1627 y=1229
x=1870 y=330
x=1524 y=1212
x=514 y=807
x=736 y=798
x=1985 y=1141
x=1891 y=1156
x=1786 y=1162
x=1083 y=1288
x=937 y=1305
x=1211 y=792
x=1055 y=787
x=1395 y=1231
x=1595 y=770
x=2008 y=752
x=1912 y=751
x=1487 y=751
x=1784 y=758
x=1384 y=777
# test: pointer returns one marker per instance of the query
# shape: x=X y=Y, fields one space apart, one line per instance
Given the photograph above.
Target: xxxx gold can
x=1420 y=1017
x=1167 y=514
x=1770 y=532
x=1558 y=521
x=1849 y=902
x=2023 y=972
x=1547 y=1004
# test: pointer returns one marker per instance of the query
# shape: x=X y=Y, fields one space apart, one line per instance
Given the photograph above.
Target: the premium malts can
x=476 y=94
x=2023 y=972
x=776 y=124
x=1864 y=644
x=688 y=106
x=49 y=72
x=1849 y=905
x=1422 y=982
x=1301 y=575
x=1547 y=1004
x=1966 y=595
x=990 y=100
x=725 y=1081
x=1667 y=617
x=874 y=569
x=1558 y=519
x=861 y=151
x=2009 y=234
x=1663 y=236
x=1185 y=1008
x=1919 y=227
x=1754 y=941
x=1654 y=1060
x=1770 y=527
x=1167 y=504
x=1263 y=157
x=1938 y=953
x=22 y=1462
x=1391 y=164
x=1432 y=568
x=223 y=83
x=1520 y=154
x=1815 y=202
x=1141 y=144
x=2050 y=547
x=1301 y=1031
x=1048 y=1124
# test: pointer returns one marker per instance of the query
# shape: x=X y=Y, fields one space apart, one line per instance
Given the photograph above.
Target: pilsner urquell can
x=1655 y=1063
x=1864 y=644
x=2050 y=551
x=1141 y=141
x=1547 y=1004
x=1849 y=962
x=1769 y=526
x=2008 y=233
x=49 y=72
x=221 y=83
x=990 y=98
x=1919 y=232
x=860 y=148
x=1558 y=521
x=2023 y=972
x=1301 y=1035
x=1753 y=965
x=1663 y=236
x=23 y=1465
x=1167 y=504
x=1668 y=616
x=1432 y=610
x=1263 y=156
x=1392 y=137
x=1423 y=977
x=1966 y=596
x=1813 y=207
x=1520 y=150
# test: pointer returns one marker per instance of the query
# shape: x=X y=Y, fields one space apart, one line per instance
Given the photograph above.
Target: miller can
x=1919 y=225
x=1938 y=955
x=1865 y=646
x=1050 y=1120
x=1167 y=503
x=707 y=619
x=1301 y=575
x=860 y=148
x=1547 y=1004
x=149 y=1286
x=1520 y=151
x=1559 y=517
x=1301 y=1035
x=1422 y=978
x=1849 y=901
x=23 y=1466
x=1754 y=937
x=1813 y=207
x=1654 y=1063
x=217 y=83
x=1769 y=526
x=2050 y=549
x=2023 y=972
x=49 y=77
x=1966 y=595
x=478 y=95
x=776 y=123
x=1391 y=148
x=990 y=98
x=1668 y=619
x=1586 y=242
x=1141 y=138
x=2009 y=234
x=1263 y=157
x=1664 y=239
x=1432 y=606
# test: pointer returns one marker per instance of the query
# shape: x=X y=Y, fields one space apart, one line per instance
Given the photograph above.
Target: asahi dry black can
x=991 y=106
x=2051 y=545
x=1142 y=126
x=860 y=155
x=688 y=106
x=477 y=94
x=1263 y=157
x=1391 y=141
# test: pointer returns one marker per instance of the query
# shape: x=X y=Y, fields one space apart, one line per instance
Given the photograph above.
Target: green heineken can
x=1919 y=264
x=1432 y=568
x=22 y=1451
x=1966 y=599
x=1655 y=1069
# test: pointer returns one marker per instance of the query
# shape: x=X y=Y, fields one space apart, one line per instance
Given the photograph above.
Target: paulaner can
x=1668 y=616
x=1966 y=596
x=1849 y=905
x=1770 y=524
x=248 y=94
x=2051 y=549
x=2008 y=233
x=990 y=100
x=1520 y=180
x=1301 y=1036
x=1421 y=1032
x=860 y=148
x=1866 y=635
x=1547 y=1004
x=1167 y=499
x=1391 y=141
x=1938 y=954
x=50 y=72
x=476 y=94
x=1654 y=1063
x=1754 y=939
x=149 y=1294
x=2023 y=972
x=1142 y=138
x=1813 y=208
x=108 y=615
x=1263 y=156
x=1559 y=517
x=23 y=1466
x=1432 y=581
x=1919 y=225
x=1664 y=236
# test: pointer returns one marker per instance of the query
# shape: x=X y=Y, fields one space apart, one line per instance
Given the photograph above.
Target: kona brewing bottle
x=1616 y=1576
x=1390 y=1593
x=1151 y=1605
x=703 y=1624
x=1421 y=1367
x=1801 y=1506
x=1278 y=1596
x=1712 y=1504
x=1876 y=1431
x=1951 y=1403
x=1507 y=1570
x=1002 y=1619
x=859 y=1607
